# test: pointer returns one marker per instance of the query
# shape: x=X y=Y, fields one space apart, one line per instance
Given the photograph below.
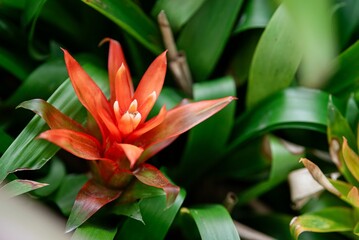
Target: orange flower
x=123 y=139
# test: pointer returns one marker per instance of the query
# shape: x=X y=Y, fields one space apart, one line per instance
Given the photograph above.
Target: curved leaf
x=256 y=14
x=212 y=25
x=272 y=68
x=292 y=108
x=213 y=222
x=94 y=231
x=127 y=15
x=313 y=24
x=334 y=219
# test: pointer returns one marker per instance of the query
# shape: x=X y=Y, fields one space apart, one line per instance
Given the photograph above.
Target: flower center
x=129 y=120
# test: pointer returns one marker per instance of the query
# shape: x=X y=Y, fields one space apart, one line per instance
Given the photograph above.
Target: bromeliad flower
x=118 y=139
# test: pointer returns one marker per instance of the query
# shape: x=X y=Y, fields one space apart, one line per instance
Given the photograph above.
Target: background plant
x=282 y=59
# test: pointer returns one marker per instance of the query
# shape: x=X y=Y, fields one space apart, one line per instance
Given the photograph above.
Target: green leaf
x=272 y=68
x=94 y=231
x=54 y=178
x=334 y=219
x=212 y=221
x=27 y=153
x=178 y=12
x=18 y=187
x=256 y=14
x=157 y=217
x=127 y=15
x=313 y=24
x=292 y=108
x=43 y=81
x=283 y=162
x=207 y=141
x=131 y=210
x=65 y=196
x=212 y=26
x=346 y=15
x=346 y=75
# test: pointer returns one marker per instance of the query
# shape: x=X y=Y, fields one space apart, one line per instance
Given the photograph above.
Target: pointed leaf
x=272 y=69
x=18 y=187
x=151 y=176
x=157 y=217
x=52 y=116
x=351 y=159
x=79 y=144
x=334 y=219
x=131 y=210
x=89 y=200
x=182 y=118
x=95 y=230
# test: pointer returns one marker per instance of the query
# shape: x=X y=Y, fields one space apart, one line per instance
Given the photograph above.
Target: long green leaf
x=43 y=81
x=346 y=76
x=18 y=187
x=207 y=140
x=90 y=231
x=127 y=15
x=292 y=108
x=156 y=216
x=204 y=37
x=313 y=24
x=26 y=152
x=272 y=68
x=213 y=222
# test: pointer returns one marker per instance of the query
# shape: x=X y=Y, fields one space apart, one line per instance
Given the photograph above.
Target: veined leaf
x=272 y=68
x=27 y=153
x=18 y=187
